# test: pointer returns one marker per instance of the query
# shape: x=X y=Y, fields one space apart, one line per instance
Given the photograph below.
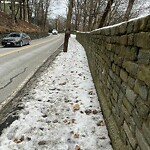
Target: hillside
x=6 y=25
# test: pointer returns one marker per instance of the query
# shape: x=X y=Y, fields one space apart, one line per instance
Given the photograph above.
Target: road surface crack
x=11 y=79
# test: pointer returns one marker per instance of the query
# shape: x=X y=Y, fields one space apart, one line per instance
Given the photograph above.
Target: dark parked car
x=16 y=39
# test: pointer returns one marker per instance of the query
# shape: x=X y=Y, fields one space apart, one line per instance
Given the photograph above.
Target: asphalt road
x=17 y=64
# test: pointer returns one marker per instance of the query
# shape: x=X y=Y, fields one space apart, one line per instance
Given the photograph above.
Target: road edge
x=48 y=61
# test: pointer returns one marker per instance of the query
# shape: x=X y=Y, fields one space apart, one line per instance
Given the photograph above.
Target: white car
x=54 y=32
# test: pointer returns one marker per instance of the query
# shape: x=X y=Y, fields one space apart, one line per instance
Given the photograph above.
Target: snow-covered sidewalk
x=61 y=111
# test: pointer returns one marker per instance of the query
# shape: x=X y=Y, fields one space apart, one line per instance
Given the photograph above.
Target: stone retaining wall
x=119 y=59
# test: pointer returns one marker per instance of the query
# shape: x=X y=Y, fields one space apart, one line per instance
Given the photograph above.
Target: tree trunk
x=84 y=15
x=24 y=10
x=45 y=16
x=108 y=8
x=128 y=11
x=13 y=11
x=4 y=6
x=0 y=5
x=90 y=16
x=27 y=10
x=20 y=9
x=68 y=25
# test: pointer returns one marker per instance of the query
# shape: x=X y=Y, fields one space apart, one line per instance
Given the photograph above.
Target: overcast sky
x=58 y=7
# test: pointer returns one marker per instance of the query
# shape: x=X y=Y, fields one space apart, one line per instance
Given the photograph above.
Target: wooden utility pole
x=68 y=25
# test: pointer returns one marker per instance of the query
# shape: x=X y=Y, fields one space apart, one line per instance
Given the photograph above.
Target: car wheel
x=21 y=43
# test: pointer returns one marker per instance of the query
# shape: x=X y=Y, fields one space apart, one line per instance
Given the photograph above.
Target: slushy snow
x=61 y=110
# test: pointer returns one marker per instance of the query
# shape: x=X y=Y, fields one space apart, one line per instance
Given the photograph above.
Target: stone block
x=126 y=114
x=117 y=39
x=109 y=47
x=131 y=95
x=115 y=95
x=113 y=39
x=144 y=74
x=118 y=60
x=141 y=140
x=148 y=23
x=117 y=30
x=142 y=40
x=131 y=68
x=116 y=88
x=131 y=82
x=132 y=126
x=123 y=75
x=142 y=108
x=141 y=89
x=127 y=105
x=118 y=81
x=123 y=87
x=113 y=31
x=144 y=56
x=130 y=27
x=129 y=53
x=131 y=39
x=140 y=24
x=123 y=28
x=138 y=120
x=107 y=31
x=116 y=48
x=120 y=103
x=117 y=70
x=146 y=132
x=123 y=40
x=113 y=67
x=108 y=39
x=129 y=135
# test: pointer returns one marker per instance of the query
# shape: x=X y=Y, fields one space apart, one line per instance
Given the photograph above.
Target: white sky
x=61 y=110
x=59 y=7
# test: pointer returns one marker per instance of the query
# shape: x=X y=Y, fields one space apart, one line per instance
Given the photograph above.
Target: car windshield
x=14 y=35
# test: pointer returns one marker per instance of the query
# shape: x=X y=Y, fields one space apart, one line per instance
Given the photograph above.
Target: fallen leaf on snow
x=91 y=93
x=95 y=112
x=62 y=83
x=65 y=121
x=88 y=111
x=66 y=101
x=76 y=135
x=28 y=139
x=101 y=123
x=77 y=147
x=76 y=107
x=42 y=143
x=73 y=120
x=81 y=112
x=19 y=140
x=55 y=121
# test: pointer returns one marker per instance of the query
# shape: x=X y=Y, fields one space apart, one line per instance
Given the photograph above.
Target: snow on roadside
x=61 y=111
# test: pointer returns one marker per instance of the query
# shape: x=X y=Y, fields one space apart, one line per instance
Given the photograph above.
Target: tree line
x=93 y=14
x=32 y=11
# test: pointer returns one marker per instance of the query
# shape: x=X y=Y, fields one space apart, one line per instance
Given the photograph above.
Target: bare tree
x=106 y=11
x=13 y=10
x=128 y=11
